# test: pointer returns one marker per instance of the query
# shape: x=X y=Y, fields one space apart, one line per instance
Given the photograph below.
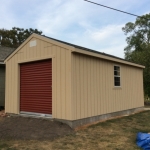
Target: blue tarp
x=143 y=140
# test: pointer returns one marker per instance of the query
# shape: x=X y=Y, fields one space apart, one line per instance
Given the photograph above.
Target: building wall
x=93 y=91
x=2 y=85
x=61 y=76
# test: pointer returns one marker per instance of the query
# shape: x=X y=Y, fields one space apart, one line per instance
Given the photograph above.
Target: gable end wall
x=61 y=76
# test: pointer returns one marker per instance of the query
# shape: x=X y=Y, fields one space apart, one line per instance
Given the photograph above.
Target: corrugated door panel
x=36 y=87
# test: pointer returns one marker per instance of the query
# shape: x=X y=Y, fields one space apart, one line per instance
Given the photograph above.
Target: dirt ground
x=23 y=128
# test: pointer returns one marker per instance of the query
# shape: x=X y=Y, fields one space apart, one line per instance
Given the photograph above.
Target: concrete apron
x=35 y=115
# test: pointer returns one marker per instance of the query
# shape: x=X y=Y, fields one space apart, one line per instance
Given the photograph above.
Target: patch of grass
x=3 y=145
x=113 y=134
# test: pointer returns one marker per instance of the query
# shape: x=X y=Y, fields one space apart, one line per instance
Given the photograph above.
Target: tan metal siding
x=93 y=90
x=61 y=76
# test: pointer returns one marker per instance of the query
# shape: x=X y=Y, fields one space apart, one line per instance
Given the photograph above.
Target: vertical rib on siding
x=93 y=90
x=61 y=76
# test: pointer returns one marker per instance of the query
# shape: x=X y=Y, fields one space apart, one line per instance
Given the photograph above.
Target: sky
x=75 y=21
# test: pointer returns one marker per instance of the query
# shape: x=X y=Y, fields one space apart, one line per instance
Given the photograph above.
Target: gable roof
x=94 y=51
x=5 y=52
x=75 y=49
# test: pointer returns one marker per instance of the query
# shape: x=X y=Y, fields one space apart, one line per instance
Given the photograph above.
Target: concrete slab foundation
x=90 y=120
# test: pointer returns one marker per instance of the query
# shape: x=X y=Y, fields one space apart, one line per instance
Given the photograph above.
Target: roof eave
x=107 y=58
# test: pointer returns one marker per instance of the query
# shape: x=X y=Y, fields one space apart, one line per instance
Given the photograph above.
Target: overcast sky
x=75 y=21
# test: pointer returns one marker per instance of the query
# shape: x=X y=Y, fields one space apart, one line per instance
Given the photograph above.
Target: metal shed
x=73 y=84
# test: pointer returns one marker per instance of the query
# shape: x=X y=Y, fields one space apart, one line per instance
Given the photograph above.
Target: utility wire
x=113 y=9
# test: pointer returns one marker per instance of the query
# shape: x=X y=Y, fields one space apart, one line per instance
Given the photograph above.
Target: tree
x=138 y=48
x=16 y=36
x=143 y=58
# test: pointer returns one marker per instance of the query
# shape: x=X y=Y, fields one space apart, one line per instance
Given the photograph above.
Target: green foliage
x=16 y=36
x=139 y=33
x=143 y=57
x=138 y=48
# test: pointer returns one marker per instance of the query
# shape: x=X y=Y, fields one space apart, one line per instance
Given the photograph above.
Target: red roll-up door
x=36 y=87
